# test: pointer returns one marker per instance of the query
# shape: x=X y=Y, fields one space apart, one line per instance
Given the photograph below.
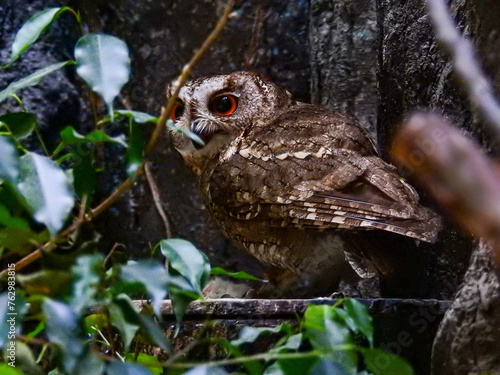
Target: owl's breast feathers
x=310 y=168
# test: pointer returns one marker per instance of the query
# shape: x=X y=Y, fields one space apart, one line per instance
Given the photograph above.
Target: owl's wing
x=323 y=176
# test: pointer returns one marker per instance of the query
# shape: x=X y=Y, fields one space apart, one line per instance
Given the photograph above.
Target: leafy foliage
x=19 y=124
x=217 y=271
x=188 y=270
x=31 y=30
x=46 y=190
x=31 y=80
x=104 y=63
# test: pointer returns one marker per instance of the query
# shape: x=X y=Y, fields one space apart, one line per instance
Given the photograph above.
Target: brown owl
x=299 y=187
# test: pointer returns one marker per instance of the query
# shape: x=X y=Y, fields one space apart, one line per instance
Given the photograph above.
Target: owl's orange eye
x=224 y=105
x=177 y=111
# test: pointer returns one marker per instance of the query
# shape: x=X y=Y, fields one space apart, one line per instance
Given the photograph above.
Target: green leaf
x=297 y=365
x=20 y=124
x=382 y=363
x=94 y=322
x=9 y=160
x=84 y=173
x=138 y=117
x=19 y=239
x=32 y=29
x=5 y=369
x=188 y=261
x=149 y=361
x=120 y=368
x=327 y=331
x=70 y=136
x=189 y=271
x=249 y=335
x=62 y=328
x=152 y=275
x=61 y=323
x=134 y=154
x=103 y=62
x=150 y=327
x=206 y=370
x=4 y=322
x=326 y=366
x=274 y=369
x=32 y=79
x=47 y=282
x=45 y=187
x=6 y=219
x=181 y=299
x=88 y=273
x=39 y=328
x=361 y=318
x=292 y=343
x=127 y=328
x=12 y=310
x=217 y=271
x=25 y=359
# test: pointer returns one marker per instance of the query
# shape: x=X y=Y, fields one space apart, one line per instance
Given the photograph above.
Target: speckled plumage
x=299 y=187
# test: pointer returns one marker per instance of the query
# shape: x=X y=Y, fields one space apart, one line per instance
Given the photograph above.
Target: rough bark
x=379 y=62
x=344 y=50
x=468 y=339
x=469 y=336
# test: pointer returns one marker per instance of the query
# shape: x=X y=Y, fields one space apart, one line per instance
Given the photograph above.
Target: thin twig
x=165 y=111
x=109 y=201
x=462 y=180
x=37 y=254
x=108 y=343
x=33 y=340
x=129 y=182
x=466 y=66
x=155 y=192
x=187 y=69
x=251 y=54
x=108 y=257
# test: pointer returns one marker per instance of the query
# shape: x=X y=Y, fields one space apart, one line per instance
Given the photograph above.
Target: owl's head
x=219 y=108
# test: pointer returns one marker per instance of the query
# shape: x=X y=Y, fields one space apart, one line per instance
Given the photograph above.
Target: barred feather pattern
x=300 y=187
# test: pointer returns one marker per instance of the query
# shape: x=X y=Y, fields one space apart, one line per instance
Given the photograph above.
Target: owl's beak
x=205 y=129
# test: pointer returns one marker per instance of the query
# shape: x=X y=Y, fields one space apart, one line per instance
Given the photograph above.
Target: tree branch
x=465 y=63
x=463 y=181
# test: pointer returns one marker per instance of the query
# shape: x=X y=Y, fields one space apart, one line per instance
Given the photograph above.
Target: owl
x=299 y=187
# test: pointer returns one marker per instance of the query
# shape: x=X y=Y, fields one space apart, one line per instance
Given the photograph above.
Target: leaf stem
x=42 y=143
x=252 y=358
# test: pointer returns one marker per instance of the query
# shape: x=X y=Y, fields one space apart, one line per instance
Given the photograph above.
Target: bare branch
x=465 y=63
x=187 y=69
x=464 y=182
